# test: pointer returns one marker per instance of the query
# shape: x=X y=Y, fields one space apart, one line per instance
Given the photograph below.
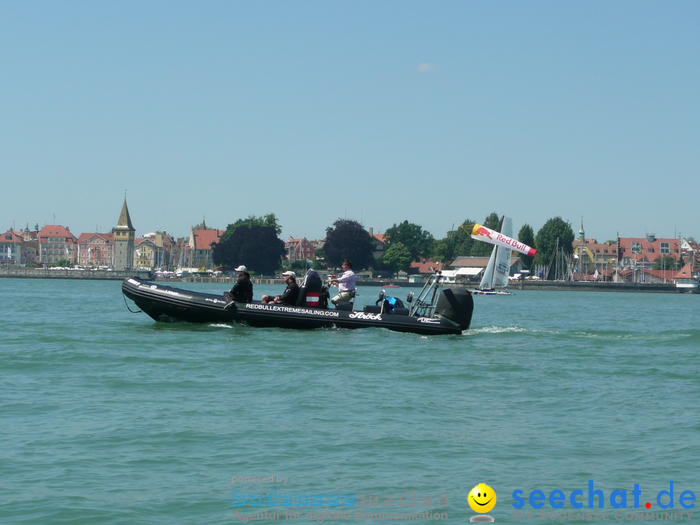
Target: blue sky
x=433 y=112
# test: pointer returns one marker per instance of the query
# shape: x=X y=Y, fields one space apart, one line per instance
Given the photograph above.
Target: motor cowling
x=455 y=307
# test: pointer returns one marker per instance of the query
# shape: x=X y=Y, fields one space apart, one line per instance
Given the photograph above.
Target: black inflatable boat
x=434 y=311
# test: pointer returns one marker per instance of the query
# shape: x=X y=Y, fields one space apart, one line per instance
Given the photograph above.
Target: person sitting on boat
x=290 y=294
x=242 y=291
x=390 y=303
x=346 y=284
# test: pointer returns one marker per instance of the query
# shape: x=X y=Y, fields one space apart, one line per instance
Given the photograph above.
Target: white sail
x=501 y=271
x=498 y=269
x=487 y=279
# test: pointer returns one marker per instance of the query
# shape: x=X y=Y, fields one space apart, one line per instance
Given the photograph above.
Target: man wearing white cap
x=290 y=294
x=242 y=291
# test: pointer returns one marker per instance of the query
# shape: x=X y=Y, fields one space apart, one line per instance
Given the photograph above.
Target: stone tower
x=124 y=241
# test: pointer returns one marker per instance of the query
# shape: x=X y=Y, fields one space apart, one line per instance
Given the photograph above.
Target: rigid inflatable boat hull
x=166 y=303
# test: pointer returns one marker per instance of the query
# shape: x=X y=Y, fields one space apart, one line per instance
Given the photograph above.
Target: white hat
x=241 y=268
x=288 y=273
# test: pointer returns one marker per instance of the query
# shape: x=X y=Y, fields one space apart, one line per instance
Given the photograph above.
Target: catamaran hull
x=169 y=304
x=489 y=292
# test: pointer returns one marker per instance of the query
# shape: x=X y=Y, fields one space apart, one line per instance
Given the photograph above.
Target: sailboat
x=498 y=268
x=495 y=278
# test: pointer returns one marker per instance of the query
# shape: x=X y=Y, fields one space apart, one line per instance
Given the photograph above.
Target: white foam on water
x=506 y=330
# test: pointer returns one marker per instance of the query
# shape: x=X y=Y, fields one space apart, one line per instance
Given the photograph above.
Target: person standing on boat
x=346 y=284
x=242 y=291
x=290 y=294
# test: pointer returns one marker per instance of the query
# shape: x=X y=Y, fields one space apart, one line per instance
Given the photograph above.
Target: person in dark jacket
x=242 y=291
x=290 y=294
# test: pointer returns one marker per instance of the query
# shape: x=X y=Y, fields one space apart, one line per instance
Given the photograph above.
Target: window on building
x=636 y=247
x=665 y=247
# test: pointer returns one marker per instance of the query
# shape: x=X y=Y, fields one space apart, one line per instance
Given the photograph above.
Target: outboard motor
x=455 y=307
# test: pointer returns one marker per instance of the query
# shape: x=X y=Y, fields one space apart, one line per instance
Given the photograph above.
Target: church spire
x=123 y=252
x=124 y=222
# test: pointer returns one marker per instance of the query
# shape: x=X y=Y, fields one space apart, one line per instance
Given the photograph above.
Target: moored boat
x=686 y=279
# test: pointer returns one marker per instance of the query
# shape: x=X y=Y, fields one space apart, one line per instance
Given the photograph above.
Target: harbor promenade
x=588 y=286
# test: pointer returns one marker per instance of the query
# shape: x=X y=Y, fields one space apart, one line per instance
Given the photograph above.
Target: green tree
x=493 y=221
x=397 y=257
x=668 y=262
x=250 y=242
x=413 y=237
x=526 y=235
x=265 y=221
x=457 y=242
x=61 y=263
x=556 y=235
x=347 y=239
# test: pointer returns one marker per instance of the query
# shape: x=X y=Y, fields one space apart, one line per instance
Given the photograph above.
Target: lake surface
x=109 y=418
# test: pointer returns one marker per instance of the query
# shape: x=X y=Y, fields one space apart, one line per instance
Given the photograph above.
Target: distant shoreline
x=592 y=286
x=48 y=273
x=605 y=286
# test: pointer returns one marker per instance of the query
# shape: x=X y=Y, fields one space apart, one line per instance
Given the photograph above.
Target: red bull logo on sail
x=517 y=246
x=482 y=230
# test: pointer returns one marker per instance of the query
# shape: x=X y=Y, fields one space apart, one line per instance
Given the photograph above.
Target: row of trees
x=255 y=242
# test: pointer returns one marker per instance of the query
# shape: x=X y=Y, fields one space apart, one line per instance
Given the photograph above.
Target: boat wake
x=499 y=330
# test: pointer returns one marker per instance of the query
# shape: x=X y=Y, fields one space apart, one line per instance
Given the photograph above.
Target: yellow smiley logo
x=482 y=498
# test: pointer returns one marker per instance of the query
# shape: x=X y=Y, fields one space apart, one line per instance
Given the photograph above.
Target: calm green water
x=108 y=417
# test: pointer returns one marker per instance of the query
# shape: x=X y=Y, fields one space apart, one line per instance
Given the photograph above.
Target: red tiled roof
x=686 y=272
x=87 y=237
x=11 y=236
x=645 y=246
x=380 y=237
x=661 y=274
x=203 y=239
x=56 y=230
x=596 y=247
x=424 y=265
x=301 y=242
x=475 y=262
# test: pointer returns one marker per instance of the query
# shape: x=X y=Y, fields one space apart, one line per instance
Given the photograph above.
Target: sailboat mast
x=497 y=247
x=493 y=273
